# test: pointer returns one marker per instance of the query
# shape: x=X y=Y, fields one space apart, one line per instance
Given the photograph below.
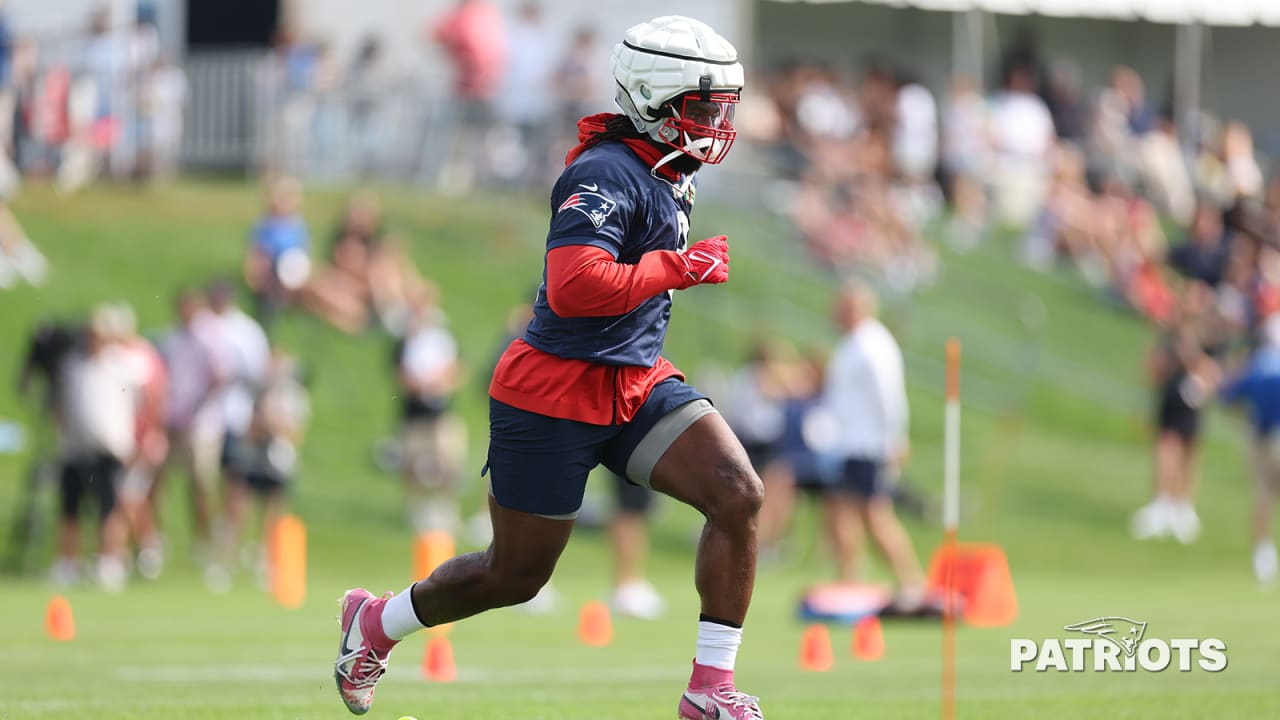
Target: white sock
x=399 y=621
x=717 y=645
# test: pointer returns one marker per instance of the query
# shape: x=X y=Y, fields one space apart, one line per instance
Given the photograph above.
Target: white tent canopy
x=1179 y=12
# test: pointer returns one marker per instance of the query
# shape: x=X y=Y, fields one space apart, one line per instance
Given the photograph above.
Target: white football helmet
x=678 y=81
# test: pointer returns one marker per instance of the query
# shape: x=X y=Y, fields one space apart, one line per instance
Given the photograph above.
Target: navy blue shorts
x=865 y=478
x=539 y=464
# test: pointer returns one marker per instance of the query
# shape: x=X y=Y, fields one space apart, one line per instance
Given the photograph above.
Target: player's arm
x=586 y=281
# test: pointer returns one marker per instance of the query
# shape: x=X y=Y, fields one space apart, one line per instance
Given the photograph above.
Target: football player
x=586 y=383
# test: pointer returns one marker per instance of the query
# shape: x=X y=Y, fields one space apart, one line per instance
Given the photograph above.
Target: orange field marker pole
x=950 y=526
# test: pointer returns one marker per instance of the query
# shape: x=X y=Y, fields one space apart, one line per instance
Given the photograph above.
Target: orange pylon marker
x=430 y=550
x=815 y=649
x=58 y=621
x=437 y=661
x=868 y=639
x=289 y=561
x=595 y=627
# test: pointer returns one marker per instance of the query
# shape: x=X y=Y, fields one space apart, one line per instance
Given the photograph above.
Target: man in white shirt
x=244 y=356
x=97 y=413
x=866 y=392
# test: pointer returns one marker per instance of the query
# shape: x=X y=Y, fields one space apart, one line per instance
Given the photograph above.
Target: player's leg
x=707 y=468
x=679 y=445
x=894 y=542
x=843 y=526
x=71 y=490
x=867 y=482
x=538 y=469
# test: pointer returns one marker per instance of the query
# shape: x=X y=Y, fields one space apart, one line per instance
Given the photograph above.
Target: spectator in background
x=865 y=389
x=245 y=360
x=433 y=437
x=97 y=417
x=915 y=149
x=280 y=415
x=1203 y=257
x=162 y=109
x=1183 y=373
x=753 y=407
x=473 y=36
x=103 y=75
x=1164 y=172
x=1243 y=178
x=278 y=262
x=1062 y=95
x=807 y=430
x=146 y=365
x=526 y=98
x=367 y=83
x=1022 y=137
x=326 y=129
x=370 y=277
x=1119 y=118
x=339 y=292
x=966 y=155
x=193 y=357
x=1257 y=386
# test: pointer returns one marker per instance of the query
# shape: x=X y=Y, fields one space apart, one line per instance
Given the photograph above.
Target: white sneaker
x=1186 y=523
x=111 y=574
x=638 y=599
x=151 y=562
x=65 y=572
x=1266 y=565
x=1153 y=520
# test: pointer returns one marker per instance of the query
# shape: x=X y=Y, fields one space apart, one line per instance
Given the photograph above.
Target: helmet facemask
x=700 y=124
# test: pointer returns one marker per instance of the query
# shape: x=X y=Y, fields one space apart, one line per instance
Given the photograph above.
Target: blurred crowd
x=1095 y=178
x=104 y=101
x=214 y=400
x=506 y=119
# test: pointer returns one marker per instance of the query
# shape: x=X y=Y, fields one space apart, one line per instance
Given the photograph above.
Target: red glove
x=706 y=261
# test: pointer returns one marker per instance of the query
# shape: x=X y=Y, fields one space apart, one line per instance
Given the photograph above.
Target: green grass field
x=1055 y=458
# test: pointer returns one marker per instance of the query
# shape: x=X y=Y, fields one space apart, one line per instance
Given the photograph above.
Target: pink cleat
x=360 y=664
x=722 y=702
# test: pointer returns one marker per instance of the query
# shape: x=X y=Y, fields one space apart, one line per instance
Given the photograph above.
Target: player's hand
x=707 y=261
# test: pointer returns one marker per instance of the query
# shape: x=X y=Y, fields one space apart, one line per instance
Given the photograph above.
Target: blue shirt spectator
x=274 y=235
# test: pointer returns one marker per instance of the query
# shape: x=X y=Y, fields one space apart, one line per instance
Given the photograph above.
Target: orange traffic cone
x=595 y=627
x=430 y=550
x=437 y=661
x=288 y=552
x=58 y=621
x=815 y=649
x=868 y=639
x=979 y=574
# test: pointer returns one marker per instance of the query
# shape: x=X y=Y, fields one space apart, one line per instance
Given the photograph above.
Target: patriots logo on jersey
x=595 y=206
